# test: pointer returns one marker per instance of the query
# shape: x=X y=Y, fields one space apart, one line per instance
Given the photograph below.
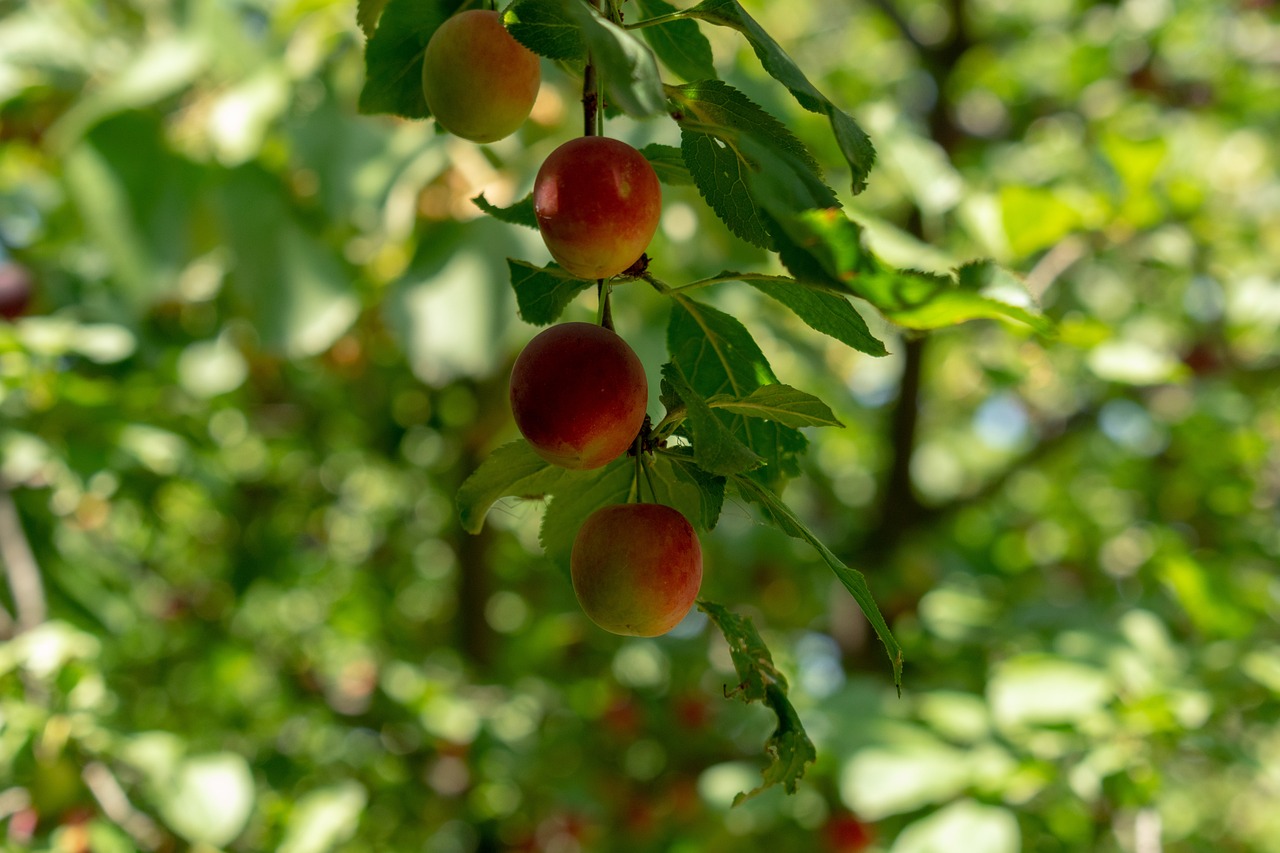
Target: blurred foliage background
x=270 y=337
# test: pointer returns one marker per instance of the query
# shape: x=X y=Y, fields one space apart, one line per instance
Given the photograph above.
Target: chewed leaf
x=789 y=749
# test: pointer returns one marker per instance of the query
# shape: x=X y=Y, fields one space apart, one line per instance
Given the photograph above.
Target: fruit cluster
x=578 y=390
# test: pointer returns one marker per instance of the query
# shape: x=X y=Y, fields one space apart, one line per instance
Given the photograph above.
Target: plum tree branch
x=21 y=568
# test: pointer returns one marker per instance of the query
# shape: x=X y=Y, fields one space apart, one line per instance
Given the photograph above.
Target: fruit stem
x=604 y=311
x=648 y=478
x=659 y=20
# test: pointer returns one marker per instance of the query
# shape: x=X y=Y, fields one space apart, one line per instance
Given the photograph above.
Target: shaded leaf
x=668 y=163
x=727 y=141
x=715 y=448
x=718 y=356
x=520 y=213
x=680 y=45
x=680 y=483
x=367 y=14
x=542 y=293
x=626 y=65
x=393 y=56
x=781 y=516
x=853 y=141
x=511 y=470
x=546 y=28
x=578 y=494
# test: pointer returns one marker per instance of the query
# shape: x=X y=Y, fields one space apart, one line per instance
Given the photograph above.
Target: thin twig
x=659 y=20
x=20 y=566
x=106 y=789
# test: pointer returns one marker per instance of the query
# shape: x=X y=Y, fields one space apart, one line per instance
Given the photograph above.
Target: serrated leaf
x=715 y=448
x=718 y=356
x=625 y=63
x=829 y=313
x=680 y=45
x=520 y=213
x=667 y=163
x=578 y=494
x=542 y=293
x=393 y=57
x=367 y=14
x=680 y=483
x=546 y=28
x=825 y=247
x=727 y=141
x=781 y=516
x=780 y=403
x=853 y=141
x=511 y=470
x=789 y=749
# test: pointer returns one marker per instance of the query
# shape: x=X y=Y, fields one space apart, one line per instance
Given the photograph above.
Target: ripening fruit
x=15 y=290
x=479 y=82
x=636 y=568
x=579 y=393
x=597 y=201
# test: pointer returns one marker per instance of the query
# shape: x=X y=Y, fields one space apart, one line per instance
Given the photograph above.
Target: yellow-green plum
x=578 y=394
x=636 y=568
x=479 y=82
x=597 y=202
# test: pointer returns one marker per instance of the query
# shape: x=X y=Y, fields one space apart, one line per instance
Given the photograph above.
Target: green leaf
x=542 y=293
x=680 y=45
x=393 y=57
x=210 y=799
x=367 y=14
x=1035 y=218
x=825 y=247
x=829 y=313
x=780 y=403
x=853 y=141
x=726 y=139
x=789 y=749
x=680 y=483
x=718 y=356
x=715 y=448
x=781 y=516
x=323 y=819
x=513 y=469
x=626 y=65
x=576 y=496
x=520 y=213
x=668 y=163
x=295 y=286
x=546 y=28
